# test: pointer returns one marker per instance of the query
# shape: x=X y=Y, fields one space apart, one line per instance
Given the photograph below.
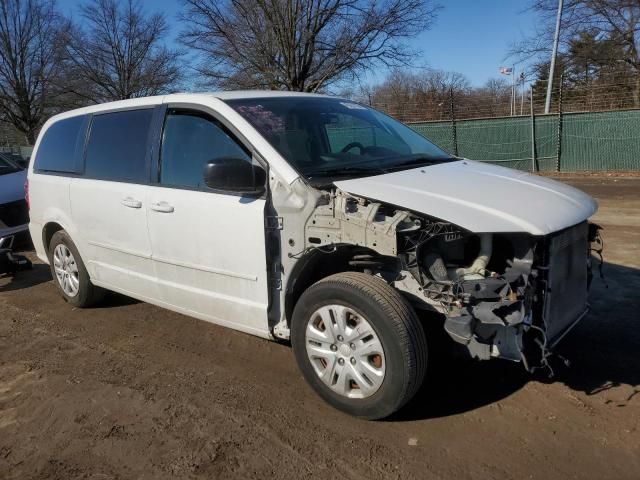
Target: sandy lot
x=128 y=390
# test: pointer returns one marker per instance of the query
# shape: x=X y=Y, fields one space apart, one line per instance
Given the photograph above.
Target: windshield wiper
x=345 y=171
x=412 y=161
x=417 y=161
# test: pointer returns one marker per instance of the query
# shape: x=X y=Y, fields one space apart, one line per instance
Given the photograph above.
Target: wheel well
x=315 y=266
x=48 y=231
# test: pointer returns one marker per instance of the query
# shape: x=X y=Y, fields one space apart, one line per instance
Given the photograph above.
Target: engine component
x=478 y=268
x=436 y=267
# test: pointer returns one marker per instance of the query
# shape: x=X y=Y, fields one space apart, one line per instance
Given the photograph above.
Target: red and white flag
x=506 y=70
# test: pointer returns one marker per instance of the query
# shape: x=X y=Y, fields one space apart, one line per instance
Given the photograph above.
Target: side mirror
x=236 y=175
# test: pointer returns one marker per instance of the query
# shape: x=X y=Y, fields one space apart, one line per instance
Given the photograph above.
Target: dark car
x=15 y=158
x=14 y=213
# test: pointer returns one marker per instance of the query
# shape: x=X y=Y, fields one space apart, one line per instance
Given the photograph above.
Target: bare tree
x=440 y=83
x=432 y=95
x=615 y=20
x=596 y=35
x=421 y=95
x=493 y=99
x=30 y=39
x=302 y=45
x=118 y=52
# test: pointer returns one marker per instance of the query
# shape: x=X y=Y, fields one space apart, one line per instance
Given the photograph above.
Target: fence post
x=559 y=147
x=534 y=161
x=454 y=128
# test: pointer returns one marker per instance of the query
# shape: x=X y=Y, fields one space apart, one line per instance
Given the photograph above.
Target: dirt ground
x=128 y=390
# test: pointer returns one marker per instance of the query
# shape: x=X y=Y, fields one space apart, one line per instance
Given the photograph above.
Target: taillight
x=26 y=193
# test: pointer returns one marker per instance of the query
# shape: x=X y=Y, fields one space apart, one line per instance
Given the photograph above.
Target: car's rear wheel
x=69 y=273
x=359 y=344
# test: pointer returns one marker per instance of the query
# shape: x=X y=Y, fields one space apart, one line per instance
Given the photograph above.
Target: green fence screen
x=588 y=141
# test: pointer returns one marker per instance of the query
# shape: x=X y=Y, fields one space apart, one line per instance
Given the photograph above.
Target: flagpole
x=513 y=89
x=522 y=97
x=512 y=100
x=547 y=103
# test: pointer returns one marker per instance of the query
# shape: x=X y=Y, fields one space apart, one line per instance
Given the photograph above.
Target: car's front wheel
x=359 y=344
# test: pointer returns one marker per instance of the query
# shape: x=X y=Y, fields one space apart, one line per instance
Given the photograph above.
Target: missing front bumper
x=551 y=302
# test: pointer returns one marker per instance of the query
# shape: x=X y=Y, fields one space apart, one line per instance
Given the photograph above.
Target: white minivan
x=315 y=220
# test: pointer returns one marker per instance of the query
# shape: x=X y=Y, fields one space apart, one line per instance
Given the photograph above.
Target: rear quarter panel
x=49 y=202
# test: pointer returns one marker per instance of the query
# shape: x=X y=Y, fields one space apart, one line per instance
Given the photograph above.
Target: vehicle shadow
x=602 y=349
x=25 y=279
x=113 y=299
x=41 y=273
x=458 y=385
x=38 y=274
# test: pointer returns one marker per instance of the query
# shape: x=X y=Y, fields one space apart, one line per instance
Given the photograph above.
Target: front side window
x=57 y=149
x=117 y=147
x=190 y=140
x=328 y=137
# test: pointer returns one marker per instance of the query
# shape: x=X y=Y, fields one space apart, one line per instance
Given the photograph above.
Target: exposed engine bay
x=505 y=295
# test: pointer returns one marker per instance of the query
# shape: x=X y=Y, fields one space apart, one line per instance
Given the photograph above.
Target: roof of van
x=239 y=94
x=288 y=173
x=180 y=97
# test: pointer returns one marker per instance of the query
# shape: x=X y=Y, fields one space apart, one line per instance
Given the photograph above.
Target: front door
x=208 y=248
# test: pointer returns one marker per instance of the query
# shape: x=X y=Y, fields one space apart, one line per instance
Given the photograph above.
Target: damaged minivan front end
x=510 y=295
x=377 y=239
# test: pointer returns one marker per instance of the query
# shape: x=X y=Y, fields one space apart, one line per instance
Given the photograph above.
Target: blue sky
x=473 y=36
x=469 y=36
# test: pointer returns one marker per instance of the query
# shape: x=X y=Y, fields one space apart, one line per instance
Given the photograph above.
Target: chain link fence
x=592 y=128
x=570 y=142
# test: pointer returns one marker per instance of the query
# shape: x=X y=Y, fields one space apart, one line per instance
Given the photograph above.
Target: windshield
x=7 y=166
x=327 y=137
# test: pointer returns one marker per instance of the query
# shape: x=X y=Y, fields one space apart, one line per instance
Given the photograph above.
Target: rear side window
x=117 y=146
x=190 y=140
x=58 y=147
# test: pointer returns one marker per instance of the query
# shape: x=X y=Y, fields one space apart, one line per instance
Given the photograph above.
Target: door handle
x=131 y=202
x=163 y=207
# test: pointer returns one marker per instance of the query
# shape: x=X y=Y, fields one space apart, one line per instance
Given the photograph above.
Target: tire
x=390 y=379
x=77 y=289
